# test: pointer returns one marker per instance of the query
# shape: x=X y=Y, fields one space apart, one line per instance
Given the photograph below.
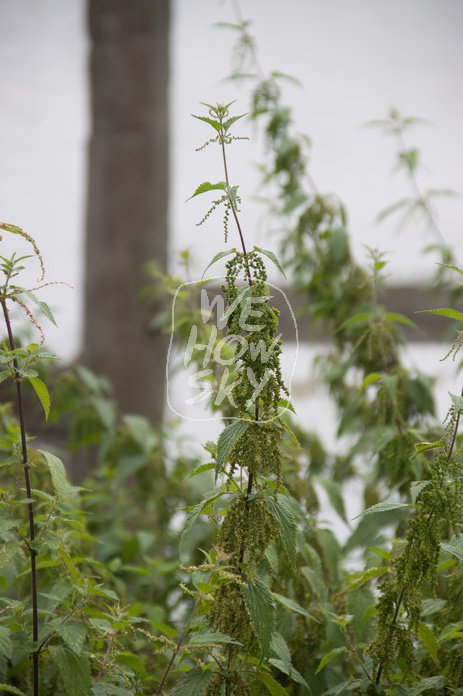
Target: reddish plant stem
x=30 y=507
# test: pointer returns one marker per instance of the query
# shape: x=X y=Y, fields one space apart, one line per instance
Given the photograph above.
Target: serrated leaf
x=290 y=671
x=200 y=469
x=207 y=186
x=57 y=471
x=292 y=606
x=359 y=318
x=12 y=690
x=381 y=552
x=193 y=683
x=368 y=614
x=428 y=639
x=371 y=573
x=42 y=392
x=105 y=689
x=212 y=122
x=416 y=488
x=334 y=495
x=286 y=404
x=424 y=446
x=383 y=507
x=133 y=661
x=444 y=312
x=454 y=550
x=217 y=257
x=272 y=258
x=69 y=565
x=432 y=606
x=280 y=648
x=331 y=655
x=269 y=682
x=230 y=121
x=74 y=670
x=208 y=638
x=434 y=683
x=457 y=402
x=6 y=646
x=73 y=634
x=370 y=379
x=454 y=630
x=167 y=630
x=394 y=316
x=7 y=552
x=227 y=440
x=287 y=527
x=261 y=608
x=44 y=308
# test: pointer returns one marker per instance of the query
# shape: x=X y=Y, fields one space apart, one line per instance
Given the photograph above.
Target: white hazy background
x=354 y=60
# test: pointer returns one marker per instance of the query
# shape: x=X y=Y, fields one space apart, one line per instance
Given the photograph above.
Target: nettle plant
x=232 y=629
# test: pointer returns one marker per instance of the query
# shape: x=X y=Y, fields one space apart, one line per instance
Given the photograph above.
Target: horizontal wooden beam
x=403 y=299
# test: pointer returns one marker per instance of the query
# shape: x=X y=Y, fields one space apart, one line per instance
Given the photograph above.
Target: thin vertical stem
x=30 y=507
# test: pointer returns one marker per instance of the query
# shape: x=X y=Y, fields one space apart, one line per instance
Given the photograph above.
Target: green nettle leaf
x=334 y=494
x=208 y=638
x=454 y=550
x=431 y=606
x=190 y=520
x=42 y=392
x=273 y=686
x=74 y=670
x=11 y=690
x=429 y=640
x=383 y=507
x=212 y=122
x=400 y=318
x=272 y=257
x=331 y=655
x=370 y=379
x=73 y=634
x=57 y=471
x=6 y=646
x=359 y=318
x=227 y=440
x=217 y=257
x=434 y=683
x=261 y=607
x=371 y=573
x=416 y=488
x=167 y=630
x=45 y=309
x=132 y=661
x=200 y=469
x=424 y=446
x=280 y=648
x=193 y=683
x=207 y=186
x=292 y=606
x=290 y=671
x=230 y=121
x=7 y=552
x=445 y=312
x=457 y=402
x=454 y=630
x=287 y=526
x=105 y=689
x=69 y=565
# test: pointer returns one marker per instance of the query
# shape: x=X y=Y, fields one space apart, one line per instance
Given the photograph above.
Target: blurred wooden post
x=127 y=196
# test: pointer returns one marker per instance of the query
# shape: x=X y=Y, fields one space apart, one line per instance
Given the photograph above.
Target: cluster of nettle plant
x=90 y=575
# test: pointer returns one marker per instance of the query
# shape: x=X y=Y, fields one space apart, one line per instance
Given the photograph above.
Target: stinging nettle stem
x=30 y=507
